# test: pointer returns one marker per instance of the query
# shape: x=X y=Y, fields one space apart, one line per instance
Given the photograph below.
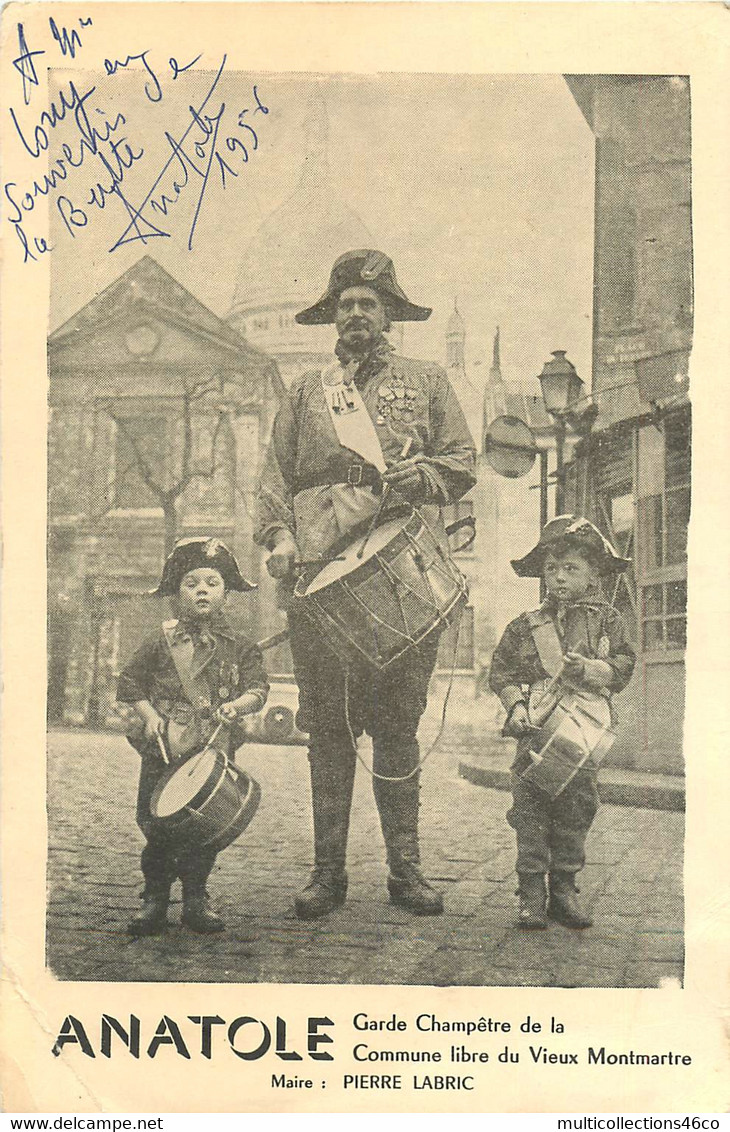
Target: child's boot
x=197 y=913
x=159 y=869
x=533 y=901
x=152 y=920
x=564 y=905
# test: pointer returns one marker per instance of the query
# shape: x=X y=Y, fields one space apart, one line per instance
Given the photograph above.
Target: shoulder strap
x=546 y=641
x=195 y=689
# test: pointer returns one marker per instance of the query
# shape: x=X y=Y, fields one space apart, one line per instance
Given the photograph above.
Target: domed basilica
x=287 y=263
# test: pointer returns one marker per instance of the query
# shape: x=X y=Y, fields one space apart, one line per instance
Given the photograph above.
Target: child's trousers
x=161 y=862
x=551 y=835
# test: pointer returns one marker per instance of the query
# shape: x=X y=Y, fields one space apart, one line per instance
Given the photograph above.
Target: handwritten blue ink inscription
x=207 y=150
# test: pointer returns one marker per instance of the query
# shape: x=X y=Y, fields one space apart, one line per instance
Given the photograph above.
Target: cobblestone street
x=632 y=883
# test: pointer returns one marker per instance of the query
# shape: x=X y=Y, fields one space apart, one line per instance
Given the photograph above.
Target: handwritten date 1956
x=194 y=155
x=199 y=151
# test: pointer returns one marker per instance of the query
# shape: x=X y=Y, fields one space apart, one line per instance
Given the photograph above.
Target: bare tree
x=168 y=477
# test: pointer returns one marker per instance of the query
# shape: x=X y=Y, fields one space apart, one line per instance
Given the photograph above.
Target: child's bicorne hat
x=198 y=553
x=570 y=530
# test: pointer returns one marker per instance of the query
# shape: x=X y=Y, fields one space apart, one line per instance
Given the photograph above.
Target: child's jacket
x=588 y=626
x=223 y=663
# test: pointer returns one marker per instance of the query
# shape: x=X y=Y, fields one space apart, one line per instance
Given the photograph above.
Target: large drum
x=569 y=728
x=206 y=802
x=385 y=595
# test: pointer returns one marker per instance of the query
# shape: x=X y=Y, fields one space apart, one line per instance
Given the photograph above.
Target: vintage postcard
x=364 y=598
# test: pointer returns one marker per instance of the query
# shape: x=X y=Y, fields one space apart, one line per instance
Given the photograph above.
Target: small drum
x=378 y=604
x=575 y=729
x=207 y=801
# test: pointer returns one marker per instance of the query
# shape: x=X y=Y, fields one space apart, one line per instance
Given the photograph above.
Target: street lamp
x=561 y=390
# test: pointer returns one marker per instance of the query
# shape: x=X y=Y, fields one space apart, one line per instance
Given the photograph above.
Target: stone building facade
x=637 y=460
x=158 y=411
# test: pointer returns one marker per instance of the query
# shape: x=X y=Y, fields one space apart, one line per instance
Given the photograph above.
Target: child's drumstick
x=163 y=751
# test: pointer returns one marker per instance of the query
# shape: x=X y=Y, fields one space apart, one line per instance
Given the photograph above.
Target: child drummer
x=592 y=655
x=186 y=678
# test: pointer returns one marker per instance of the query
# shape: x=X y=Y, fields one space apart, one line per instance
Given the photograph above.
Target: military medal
x=396 y=400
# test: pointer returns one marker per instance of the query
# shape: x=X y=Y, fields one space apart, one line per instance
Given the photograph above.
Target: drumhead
x=185 y=783
x=349 y=560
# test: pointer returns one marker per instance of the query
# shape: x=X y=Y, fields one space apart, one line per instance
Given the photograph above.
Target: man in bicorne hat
x=369 y=419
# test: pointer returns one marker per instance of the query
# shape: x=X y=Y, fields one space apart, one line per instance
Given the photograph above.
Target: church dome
x=289 y=259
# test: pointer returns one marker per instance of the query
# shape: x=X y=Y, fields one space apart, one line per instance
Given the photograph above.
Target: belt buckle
x=354 y=475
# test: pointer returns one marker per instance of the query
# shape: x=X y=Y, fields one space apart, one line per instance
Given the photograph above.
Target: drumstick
x=303 y=562
x=161 y=745
x=222 y=723
x=404 y=453
x=274 y=640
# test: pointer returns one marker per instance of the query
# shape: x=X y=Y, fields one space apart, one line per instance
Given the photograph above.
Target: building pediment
x=145 y=332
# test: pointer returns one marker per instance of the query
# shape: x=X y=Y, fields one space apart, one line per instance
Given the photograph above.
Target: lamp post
x=561 y=390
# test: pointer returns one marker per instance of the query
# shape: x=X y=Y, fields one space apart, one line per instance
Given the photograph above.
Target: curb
x=614 y=788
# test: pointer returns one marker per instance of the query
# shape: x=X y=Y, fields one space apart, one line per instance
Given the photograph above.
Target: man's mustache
x=357 y=324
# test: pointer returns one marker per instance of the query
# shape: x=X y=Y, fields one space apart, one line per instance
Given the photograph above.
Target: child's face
x=568 y=576
x=202 y=593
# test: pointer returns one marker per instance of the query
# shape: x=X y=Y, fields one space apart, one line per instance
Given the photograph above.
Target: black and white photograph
x=369 y=489
x=365 y=558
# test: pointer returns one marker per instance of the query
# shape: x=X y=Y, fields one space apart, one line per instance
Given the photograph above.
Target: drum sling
x=182 y=739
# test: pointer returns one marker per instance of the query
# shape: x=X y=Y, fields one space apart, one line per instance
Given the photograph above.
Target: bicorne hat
x=194 y=554
x=571 y=531
x=363 y=268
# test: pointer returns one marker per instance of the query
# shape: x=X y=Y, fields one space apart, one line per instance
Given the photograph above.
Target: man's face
x=360 y=318
x=567 y=576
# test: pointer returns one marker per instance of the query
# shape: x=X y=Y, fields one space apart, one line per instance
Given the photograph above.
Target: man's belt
x=357 y=475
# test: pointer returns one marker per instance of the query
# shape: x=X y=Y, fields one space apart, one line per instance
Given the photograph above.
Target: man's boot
x=564 y=905
x=398 y=804
x=197 y=913
x=533 y=901
x=332 y=776
x=325 y=892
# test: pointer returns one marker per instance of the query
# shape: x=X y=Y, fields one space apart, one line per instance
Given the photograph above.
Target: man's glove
x=409 y=480
x=517 y=722
x=280 y=562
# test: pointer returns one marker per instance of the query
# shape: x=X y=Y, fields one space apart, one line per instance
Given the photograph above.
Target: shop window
x=664 y=616
x=663 y=523
x=664 y=516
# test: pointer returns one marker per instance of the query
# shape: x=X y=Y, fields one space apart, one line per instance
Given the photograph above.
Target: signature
x=215 y=144
x=194 y=155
